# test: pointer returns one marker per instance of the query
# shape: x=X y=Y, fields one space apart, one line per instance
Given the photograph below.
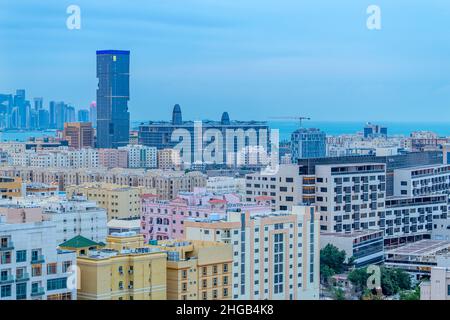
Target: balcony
x=38 y=259
x=6 y=279
x=23 y=277
x=37 y=292
x=7 y=246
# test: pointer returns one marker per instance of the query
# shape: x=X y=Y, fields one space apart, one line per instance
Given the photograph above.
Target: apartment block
x=420 y=181
x=79 y=134
x=72 y=217
x=275 y=255
x=164 y=219
x=124 y=269
x=197 y=270
x=168 y=159
x=286 y=188
x=223 y=185
x=167 y=184
x=120 y=201
x=409 y=219
x=11 y=187
x=113 y=158
x=350 y=197
x=31 y=268
x=140 y=156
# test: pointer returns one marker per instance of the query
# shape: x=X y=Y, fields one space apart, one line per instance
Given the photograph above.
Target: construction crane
x=299 y=118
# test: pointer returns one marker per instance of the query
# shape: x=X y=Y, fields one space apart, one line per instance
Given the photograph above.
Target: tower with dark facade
x=113 y=93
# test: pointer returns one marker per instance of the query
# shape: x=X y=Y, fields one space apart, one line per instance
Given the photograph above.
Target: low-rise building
x=120 y=201
x=197 y=270
x=224 y=185
x=365 y=247
x=124 y=269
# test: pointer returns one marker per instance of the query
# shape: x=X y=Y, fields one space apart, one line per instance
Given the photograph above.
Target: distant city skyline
x=312 y=58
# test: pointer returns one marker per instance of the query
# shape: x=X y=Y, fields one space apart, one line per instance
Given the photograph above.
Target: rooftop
x=79 y=242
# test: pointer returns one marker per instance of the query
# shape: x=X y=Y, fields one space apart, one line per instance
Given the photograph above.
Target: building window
x=204 y=271
x=184 y=287
x=21 y=256
x=184 y=274
x=57 y=284
x=66 y=265
x=5 y=291
x=51 y=268
x=36 y=270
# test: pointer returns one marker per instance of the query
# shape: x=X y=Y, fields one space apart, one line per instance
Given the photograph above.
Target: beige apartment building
x=124 y=269
x=121 y=202
x=168 y=159
x=166 y=183
x=438 y=287
x=197 y=270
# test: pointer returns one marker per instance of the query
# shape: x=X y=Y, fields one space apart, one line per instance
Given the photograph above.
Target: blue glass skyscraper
x=113 y=93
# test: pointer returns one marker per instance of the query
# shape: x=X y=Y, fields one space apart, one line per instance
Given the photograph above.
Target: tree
x=358 y=277
x=331 y=257
x=392 y=280
x=410 y=295
x=325 y=272
x=339 y=294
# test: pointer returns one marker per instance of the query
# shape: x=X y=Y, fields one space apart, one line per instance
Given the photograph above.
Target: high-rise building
x=79 y=134
x=308 y=143
x=276 y=255
x=38 y=103
x=43 y=119
x=93 y=114
x=113 y=93
x=83 y=115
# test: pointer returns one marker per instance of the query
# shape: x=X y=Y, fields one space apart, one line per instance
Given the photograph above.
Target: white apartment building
x=140 y=156
x=276 y=254
x=286 y=188
x=225 y=185
x=76 y=217
x=72 y=217
x=423 y=180
x=350 y=197
x=57 y=158
x=409 y=219
x=31 y=266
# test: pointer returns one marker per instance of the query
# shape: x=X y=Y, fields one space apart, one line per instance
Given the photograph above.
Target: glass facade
x=113 y=93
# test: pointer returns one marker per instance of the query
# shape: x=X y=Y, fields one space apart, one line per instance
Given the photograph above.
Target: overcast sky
x=252 y=58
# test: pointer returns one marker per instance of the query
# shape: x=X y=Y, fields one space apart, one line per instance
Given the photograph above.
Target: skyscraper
x=83 y=115
x=113 y=93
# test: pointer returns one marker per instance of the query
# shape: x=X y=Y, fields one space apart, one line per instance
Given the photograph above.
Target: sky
x=256 y=59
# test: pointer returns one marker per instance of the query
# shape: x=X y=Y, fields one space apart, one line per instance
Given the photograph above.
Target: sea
x=286 y=128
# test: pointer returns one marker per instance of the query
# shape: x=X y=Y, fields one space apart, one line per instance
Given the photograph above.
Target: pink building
x=113 y=158
x=164 y=219
x=21 y=214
